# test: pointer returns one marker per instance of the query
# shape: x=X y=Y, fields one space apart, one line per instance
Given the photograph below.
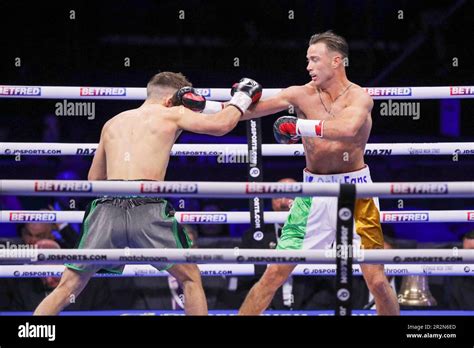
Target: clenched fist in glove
x=289 y=129
x=245 y=93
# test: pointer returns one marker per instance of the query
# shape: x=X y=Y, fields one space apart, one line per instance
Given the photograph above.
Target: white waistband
x=357 y=177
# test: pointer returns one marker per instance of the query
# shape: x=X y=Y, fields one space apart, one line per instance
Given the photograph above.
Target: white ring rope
x=231 y=189
x=15 y=255
x=381 y=149
x=233 y=270
x=133 y=93
x=238 y=217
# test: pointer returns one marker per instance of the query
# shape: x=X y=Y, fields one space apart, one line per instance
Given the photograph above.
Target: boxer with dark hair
x=136 y=145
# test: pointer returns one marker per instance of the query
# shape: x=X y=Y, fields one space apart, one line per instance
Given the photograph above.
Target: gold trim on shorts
x=367 y=220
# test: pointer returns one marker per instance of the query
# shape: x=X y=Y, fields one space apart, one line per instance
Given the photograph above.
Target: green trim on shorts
x=174 y=229
x=102 y=270
x=294 y=231
x=86 y=223
x=71 y=266
x=84 y=235
x=176 y=237
x=188 y=239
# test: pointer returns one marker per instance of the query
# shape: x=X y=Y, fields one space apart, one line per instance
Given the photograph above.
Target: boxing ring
x=15 y=263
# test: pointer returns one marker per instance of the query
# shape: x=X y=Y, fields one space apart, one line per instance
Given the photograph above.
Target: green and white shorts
x=311 y=223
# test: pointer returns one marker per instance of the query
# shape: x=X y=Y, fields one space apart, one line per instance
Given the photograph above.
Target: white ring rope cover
x=238 y=217
x=199 y=189
x=239 y=150
x=139 y=93
x=28 y=254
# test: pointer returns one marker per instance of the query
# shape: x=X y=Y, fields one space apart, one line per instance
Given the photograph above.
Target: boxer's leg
x=261 y=294
x=367 y=226
x=153 y=225
x=71 y=285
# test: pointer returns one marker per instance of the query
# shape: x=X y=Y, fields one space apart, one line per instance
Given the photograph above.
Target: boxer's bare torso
x=334 y=153
x=138 y=142
x=324 y=156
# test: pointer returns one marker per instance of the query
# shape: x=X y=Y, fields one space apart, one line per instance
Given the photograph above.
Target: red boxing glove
x=189 y=98
x=284 y=130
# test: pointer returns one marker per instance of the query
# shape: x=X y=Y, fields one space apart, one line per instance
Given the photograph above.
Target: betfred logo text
x=102 y=91
x=154 y=187
x=402 y=217
x=48 y=217
x=461 y=90
x=65 y=186
x=420 y=188
x=203 y=218
x=26 y=91
x=394 y=91
x=273 y=188
x=470 y=216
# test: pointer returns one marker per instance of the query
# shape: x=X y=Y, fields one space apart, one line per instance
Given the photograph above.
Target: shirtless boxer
x=335 y=122
x=136 y=145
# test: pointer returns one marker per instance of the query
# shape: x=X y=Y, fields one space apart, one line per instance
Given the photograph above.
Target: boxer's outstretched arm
x=98 y=170
x=349 y=120
x=344 y=126
x=216 y=124
x=271 y=105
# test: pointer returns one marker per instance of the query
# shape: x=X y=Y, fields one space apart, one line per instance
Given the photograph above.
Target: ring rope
x=380 y=149
x=238 y=217
x=133 y=93
x=209 y=270
x=256 y=256
x=231 y=189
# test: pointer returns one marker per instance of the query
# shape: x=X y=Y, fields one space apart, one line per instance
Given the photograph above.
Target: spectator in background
x=212 y=230
x=25 y=294
x=49 y=282
x=31 y=233
x=460 y=290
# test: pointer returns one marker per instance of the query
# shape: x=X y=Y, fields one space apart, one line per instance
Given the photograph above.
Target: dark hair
x=333 y=42
x=468 y=235
x=167 y=79
x=20 y=228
